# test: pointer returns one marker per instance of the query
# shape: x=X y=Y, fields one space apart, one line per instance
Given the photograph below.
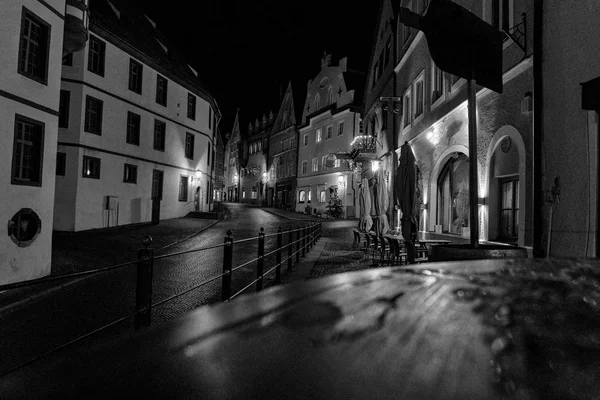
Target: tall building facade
x=34 y=37
x=427 y=108
x=282 y=162
x=567 y=100
x=330 y=121
x=231 y=170
x=253 y=171
x=136 y=129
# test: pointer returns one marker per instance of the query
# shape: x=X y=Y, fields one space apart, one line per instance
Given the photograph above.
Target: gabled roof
x=286 y=108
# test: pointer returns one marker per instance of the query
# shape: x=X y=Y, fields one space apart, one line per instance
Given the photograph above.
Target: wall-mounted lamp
x=341 y=180
x=235 y=179
x=375 y=165
x=264 y=176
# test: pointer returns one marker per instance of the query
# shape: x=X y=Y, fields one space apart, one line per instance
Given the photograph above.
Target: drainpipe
x=538 y=129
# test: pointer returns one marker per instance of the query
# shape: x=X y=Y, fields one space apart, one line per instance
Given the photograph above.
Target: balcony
x=76 y=26
x=363 y=148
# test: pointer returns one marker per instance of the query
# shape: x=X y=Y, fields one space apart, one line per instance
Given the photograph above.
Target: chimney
x=326 y=60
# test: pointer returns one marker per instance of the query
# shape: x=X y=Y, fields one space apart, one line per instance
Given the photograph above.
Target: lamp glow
x=375 y=165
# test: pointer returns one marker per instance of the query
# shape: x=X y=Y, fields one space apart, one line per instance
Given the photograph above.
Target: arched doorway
x=505 y=172
x=453 y=195
x=197 y=199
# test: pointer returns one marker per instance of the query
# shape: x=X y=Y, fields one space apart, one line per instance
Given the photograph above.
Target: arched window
x=330 y=96
x=453 y=194
x=302 y=196
x=317 y=102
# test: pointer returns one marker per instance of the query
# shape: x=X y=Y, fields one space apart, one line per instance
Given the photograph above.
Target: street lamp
x=342 y=185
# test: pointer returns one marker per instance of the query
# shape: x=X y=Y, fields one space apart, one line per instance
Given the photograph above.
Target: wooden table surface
x=485 y=329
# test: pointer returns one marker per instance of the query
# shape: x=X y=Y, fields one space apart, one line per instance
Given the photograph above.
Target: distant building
x=253 y=171
x=231 y=170
x=34 y=37
x=431 y=115
x=219 y=172
x=283 y=156
x=330 y=121
x=137 y=128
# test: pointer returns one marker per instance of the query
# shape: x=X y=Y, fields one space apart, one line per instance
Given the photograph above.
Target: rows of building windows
x=328 y=133
x=93 y=124
x=96 y=65
x=285 y=144
x=305 y=196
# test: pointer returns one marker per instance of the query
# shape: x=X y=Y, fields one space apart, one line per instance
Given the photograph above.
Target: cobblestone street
x=62 y=315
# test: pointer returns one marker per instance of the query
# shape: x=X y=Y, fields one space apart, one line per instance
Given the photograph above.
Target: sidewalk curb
x=290 y=218
x=8 y=308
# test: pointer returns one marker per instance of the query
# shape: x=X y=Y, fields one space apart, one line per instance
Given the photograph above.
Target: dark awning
x=590 y=95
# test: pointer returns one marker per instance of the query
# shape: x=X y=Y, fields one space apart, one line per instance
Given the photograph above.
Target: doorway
x=197 y=199
x=156 y=195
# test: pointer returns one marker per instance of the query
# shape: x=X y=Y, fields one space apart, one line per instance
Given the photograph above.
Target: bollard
x=144 y=284
x=278 y=255
x=303 y=240
x=289 y=248
x=227 y=265
x=259 y=261
x=298 y=244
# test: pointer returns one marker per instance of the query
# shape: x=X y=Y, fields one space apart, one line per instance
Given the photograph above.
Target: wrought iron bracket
x=518 y=34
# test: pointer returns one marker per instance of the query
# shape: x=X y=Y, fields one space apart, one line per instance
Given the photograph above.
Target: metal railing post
x=289 y=249
x=227 y=265
x=309 y=236
x=298 y=244
x=303 y=240
x=259 y=262
x=143 y=298
x=278 y=255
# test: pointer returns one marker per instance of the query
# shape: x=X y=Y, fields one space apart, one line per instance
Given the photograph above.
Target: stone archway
x=432 y=205
x=517 y=141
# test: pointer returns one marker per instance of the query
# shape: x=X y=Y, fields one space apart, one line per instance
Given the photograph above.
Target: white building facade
x=137 y=130
x=330 y=121
x=31 y=38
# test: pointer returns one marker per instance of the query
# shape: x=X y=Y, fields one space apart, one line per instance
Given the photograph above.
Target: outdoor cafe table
x=485 y=329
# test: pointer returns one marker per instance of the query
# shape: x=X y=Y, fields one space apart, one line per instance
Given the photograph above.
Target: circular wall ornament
x=323 y=82
x=505 y=144
x=24 y=227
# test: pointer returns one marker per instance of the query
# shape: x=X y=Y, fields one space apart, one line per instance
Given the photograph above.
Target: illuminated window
x=315 y=164
x=302 y=196
x=91 y=167
x=309 y=195
x=319 y=135
x=336 y=163
x=322 y=197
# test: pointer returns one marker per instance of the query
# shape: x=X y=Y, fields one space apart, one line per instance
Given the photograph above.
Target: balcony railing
x=363 y=145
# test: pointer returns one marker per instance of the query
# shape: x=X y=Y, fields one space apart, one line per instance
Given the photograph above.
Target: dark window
x=34 y=47
x=130 y=173
x=68 y=60
x=133 y=128
x=63 y=109
x=213 y=158
x=93 y=115
x=135 y=76
x=329 y=130
x=208 y=161
x=91 y=167
x=341 y=129
x=161 y=90
x=209 y=117
x=61 y=163
x=159 y=135
x=24 y=227
x=191 y=109
x=501 y=14
x=27 y=152
x=380 y=71
x=189 y=146
x=183 y=188
x=96 y=56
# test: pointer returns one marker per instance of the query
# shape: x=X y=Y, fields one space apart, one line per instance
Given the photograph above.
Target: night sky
x=247 y=51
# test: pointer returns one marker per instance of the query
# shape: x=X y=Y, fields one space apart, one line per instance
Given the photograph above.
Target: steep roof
x=126 y=22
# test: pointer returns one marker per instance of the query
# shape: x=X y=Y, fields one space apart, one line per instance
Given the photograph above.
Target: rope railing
x=305 y=238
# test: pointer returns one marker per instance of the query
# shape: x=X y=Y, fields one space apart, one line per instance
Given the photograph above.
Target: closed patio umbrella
x=381 y=203
x=406 y=192
x=365 y=206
